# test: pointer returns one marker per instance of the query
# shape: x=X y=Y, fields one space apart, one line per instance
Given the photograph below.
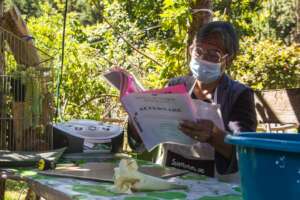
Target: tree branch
x=115 y=29
x=96 y=97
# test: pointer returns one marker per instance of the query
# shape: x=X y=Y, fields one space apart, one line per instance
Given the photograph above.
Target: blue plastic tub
x=269 y=165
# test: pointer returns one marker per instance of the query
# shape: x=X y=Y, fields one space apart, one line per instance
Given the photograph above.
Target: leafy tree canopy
x=101 y=34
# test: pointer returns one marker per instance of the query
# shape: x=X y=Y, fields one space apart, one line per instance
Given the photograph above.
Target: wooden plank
x=24 y=50
x=39 y=189
x=105 y=171
x=46 y=191
x=282 y=127
x=25 y=159
x=278 y=106
x=18 y=112
x=89 y=156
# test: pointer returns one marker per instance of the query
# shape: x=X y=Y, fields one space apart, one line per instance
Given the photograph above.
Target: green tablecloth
x=199 y=188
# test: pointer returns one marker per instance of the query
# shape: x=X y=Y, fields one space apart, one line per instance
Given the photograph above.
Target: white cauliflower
x=128 y=179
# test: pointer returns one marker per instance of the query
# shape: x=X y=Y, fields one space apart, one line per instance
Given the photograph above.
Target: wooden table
x=49 y=187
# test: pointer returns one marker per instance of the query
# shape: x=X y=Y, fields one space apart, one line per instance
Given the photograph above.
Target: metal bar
x=21 y=126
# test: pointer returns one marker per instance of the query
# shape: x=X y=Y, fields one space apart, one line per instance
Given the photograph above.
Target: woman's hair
x=227 y=33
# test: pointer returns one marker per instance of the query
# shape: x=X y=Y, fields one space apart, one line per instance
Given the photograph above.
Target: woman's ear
x=228 y=60
x=223 y=66
x=225 y=63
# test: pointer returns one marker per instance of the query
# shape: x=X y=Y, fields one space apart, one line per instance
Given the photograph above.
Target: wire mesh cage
x=113 y=110
x=26 y=98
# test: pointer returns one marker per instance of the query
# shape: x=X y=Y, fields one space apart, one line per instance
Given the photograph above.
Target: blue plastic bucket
x=269 y=165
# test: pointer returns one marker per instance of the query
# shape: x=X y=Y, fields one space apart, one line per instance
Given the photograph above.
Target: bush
x=267 y=64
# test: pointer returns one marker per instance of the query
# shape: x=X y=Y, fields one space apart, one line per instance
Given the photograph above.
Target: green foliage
x=81 y=84
x=265 y=18
x=171 y=51
x=242 y=14
x=175 y=16
x=33 y=8
x=144 y=13
x=15 y=190
x=28 y=7
x=33 y=82
x=267 y=64
x=268 y=59
x=282 y=19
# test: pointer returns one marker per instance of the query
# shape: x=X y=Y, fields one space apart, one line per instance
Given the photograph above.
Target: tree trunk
x=1 y=40
x=2 y=65
x=199 y=18
x=297 y=35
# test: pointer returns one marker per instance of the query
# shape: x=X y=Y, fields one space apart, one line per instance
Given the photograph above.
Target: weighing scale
x=87 y=135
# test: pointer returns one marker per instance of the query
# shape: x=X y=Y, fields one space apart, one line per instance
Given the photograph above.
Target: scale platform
x=80 y=135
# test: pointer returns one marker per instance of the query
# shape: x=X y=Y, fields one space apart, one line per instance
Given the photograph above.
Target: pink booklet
x=176 y=89
x=156 y=113
x=126 y=83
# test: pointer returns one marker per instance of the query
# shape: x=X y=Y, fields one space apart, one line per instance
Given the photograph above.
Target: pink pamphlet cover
x=125 y=82
x=176 y=89
x=128 y=84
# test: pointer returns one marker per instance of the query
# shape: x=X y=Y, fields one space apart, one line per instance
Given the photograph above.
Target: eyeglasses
x=211 y=55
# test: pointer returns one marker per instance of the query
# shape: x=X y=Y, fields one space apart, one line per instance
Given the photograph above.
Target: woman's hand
x=202 y=130
x=207 y=131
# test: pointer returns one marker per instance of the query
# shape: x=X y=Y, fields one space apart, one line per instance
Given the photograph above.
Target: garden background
x=101 y=34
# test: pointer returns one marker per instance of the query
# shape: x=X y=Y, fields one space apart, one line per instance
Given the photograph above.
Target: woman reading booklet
x=214 y=48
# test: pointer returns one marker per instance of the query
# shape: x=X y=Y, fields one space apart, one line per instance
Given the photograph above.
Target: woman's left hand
x=202 y=130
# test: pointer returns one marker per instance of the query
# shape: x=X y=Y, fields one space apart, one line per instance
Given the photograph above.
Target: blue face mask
x=205 y=71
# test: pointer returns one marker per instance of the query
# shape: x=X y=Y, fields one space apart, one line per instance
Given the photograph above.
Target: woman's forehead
x=212 y=41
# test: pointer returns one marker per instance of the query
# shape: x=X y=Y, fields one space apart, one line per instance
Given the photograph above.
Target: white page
x=156 y=117
x=114 y=78
x=210 y=112
x=117 y=77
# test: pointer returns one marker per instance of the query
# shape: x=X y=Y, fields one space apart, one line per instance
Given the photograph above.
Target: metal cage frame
x=26 y=100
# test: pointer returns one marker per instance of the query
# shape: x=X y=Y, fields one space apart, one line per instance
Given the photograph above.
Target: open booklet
x=156 y=113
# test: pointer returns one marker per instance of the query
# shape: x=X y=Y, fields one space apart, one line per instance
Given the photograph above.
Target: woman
x=212 y=52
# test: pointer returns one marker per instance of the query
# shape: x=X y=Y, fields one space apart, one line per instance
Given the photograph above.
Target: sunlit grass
x=15 y=190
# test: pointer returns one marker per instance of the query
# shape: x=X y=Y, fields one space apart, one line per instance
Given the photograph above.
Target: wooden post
x=2 y=187
x=2 y=136
x=2 y=65
x=199 y=18
x=1 y=41
x=18 y=114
